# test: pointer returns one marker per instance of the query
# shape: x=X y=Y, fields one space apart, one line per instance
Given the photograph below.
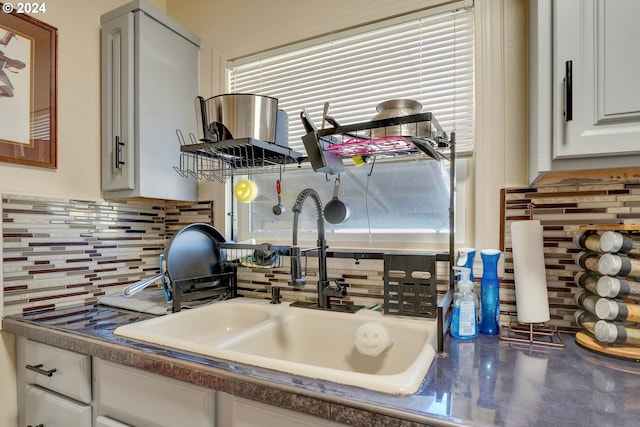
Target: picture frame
x=28 y=90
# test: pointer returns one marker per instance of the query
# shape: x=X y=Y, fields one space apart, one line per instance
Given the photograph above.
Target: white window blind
x=426 y=58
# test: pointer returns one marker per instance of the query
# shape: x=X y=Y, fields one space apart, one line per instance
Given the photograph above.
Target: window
x=426 y=57
x=402 y=204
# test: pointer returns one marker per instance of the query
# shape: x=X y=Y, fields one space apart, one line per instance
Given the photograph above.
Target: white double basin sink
x=316 y=344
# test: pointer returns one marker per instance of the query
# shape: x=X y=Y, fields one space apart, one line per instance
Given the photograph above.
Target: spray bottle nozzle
x=465 y=273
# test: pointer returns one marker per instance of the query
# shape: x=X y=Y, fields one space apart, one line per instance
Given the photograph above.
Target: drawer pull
x=37 y=368
x=39 y=425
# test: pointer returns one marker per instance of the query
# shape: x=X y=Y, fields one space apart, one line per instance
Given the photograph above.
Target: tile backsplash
x=561 y=211
x=60 y=252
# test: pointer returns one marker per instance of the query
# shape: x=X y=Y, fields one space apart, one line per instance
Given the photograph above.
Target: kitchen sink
x=197 y=328
x=312 y=343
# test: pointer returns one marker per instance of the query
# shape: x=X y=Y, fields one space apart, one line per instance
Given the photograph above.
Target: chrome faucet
x=325 y=290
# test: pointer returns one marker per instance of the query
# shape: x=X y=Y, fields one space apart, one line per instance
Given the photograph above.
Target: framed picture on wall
x=28 y=89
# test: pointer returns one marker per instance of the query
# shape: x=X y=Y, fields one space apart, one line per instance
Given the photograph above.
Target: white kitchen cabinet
x=234 y=411
x=54 y=386
x=49 y=409
x=139 y=398
x=149 y=84
x=585 y=91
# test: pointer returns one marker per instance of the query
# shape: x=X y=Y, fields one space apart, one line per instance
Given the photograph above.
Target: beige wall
x=78 y=172
x=236 y=28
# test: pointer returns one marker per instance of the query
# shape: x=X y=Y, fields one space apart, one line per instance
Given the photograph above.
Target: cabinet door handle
x=39 y=425
x=568 y=91
x=119 y=145
x=38 y=368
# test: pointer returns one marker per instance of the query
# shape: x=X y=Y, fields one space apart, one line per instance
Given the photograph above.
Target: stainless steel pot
x=240 y=115
x=397 y=108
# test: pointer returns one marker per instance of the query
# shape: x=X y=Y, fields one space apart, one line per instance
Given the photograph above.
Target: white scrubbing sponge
x=371 y=339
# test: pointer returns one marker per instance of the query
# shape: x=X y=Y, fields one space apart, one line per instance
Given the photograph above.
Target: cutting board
x=148 y=301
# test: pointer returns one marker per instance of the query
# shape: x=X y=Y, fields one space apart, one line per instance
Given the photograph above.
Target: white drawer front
x=72 y=375
x=51 y=410
x=145 y=399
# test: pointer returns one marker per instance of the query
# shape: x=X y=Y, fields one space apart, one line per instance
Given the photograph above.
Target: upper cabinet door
x=596 y=84
x=584 y=91
x=118 y=154
x=149 y=84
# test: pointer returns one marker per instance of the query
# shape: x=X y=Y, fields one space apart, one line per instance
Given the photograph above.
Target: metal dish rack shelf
x=378 y=137
x=264 y=255
x=217 y=161
x=198 y=289
x=224 y=283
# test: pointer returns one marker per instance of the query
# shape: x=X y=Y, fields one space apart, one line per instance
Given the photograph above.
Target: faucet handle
x=336 y=290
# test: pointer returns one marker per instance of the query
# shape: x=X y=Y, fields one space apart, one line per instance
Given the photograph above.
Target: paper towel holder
x=532 y=333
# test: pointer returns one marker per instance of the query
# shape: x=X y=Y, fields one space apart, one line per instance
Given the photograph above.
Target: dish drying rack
x=326 y=149
x=376 y=137
x=198 y=289
x=264 y=255
x=391 y=137
x=217 y=161
x=386 y=137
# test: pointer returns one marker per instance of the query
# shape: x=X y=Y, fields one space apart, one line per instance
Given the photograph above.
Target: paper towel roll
x=532 y=300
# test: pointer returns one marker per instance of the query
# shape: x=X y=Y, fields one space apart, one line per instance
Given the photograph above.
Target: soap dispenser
x=464 y=321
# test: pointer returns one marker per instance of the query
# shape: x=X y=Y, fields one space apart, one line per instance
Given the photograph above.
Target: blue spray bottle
x=490 y=292
x=465 y=259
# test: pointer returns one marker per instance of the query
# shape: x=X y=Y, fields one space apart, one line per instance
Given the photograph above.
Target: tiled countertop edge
x=300 y=400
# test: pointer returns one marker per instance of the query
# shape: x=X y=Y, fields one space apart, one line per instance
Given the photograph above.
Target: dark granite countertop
x=481 y=382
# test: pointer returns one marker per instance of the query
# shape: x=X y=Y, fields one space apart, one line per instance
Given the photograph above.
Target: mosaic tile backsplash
x=561 y=211
x=60 y=252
